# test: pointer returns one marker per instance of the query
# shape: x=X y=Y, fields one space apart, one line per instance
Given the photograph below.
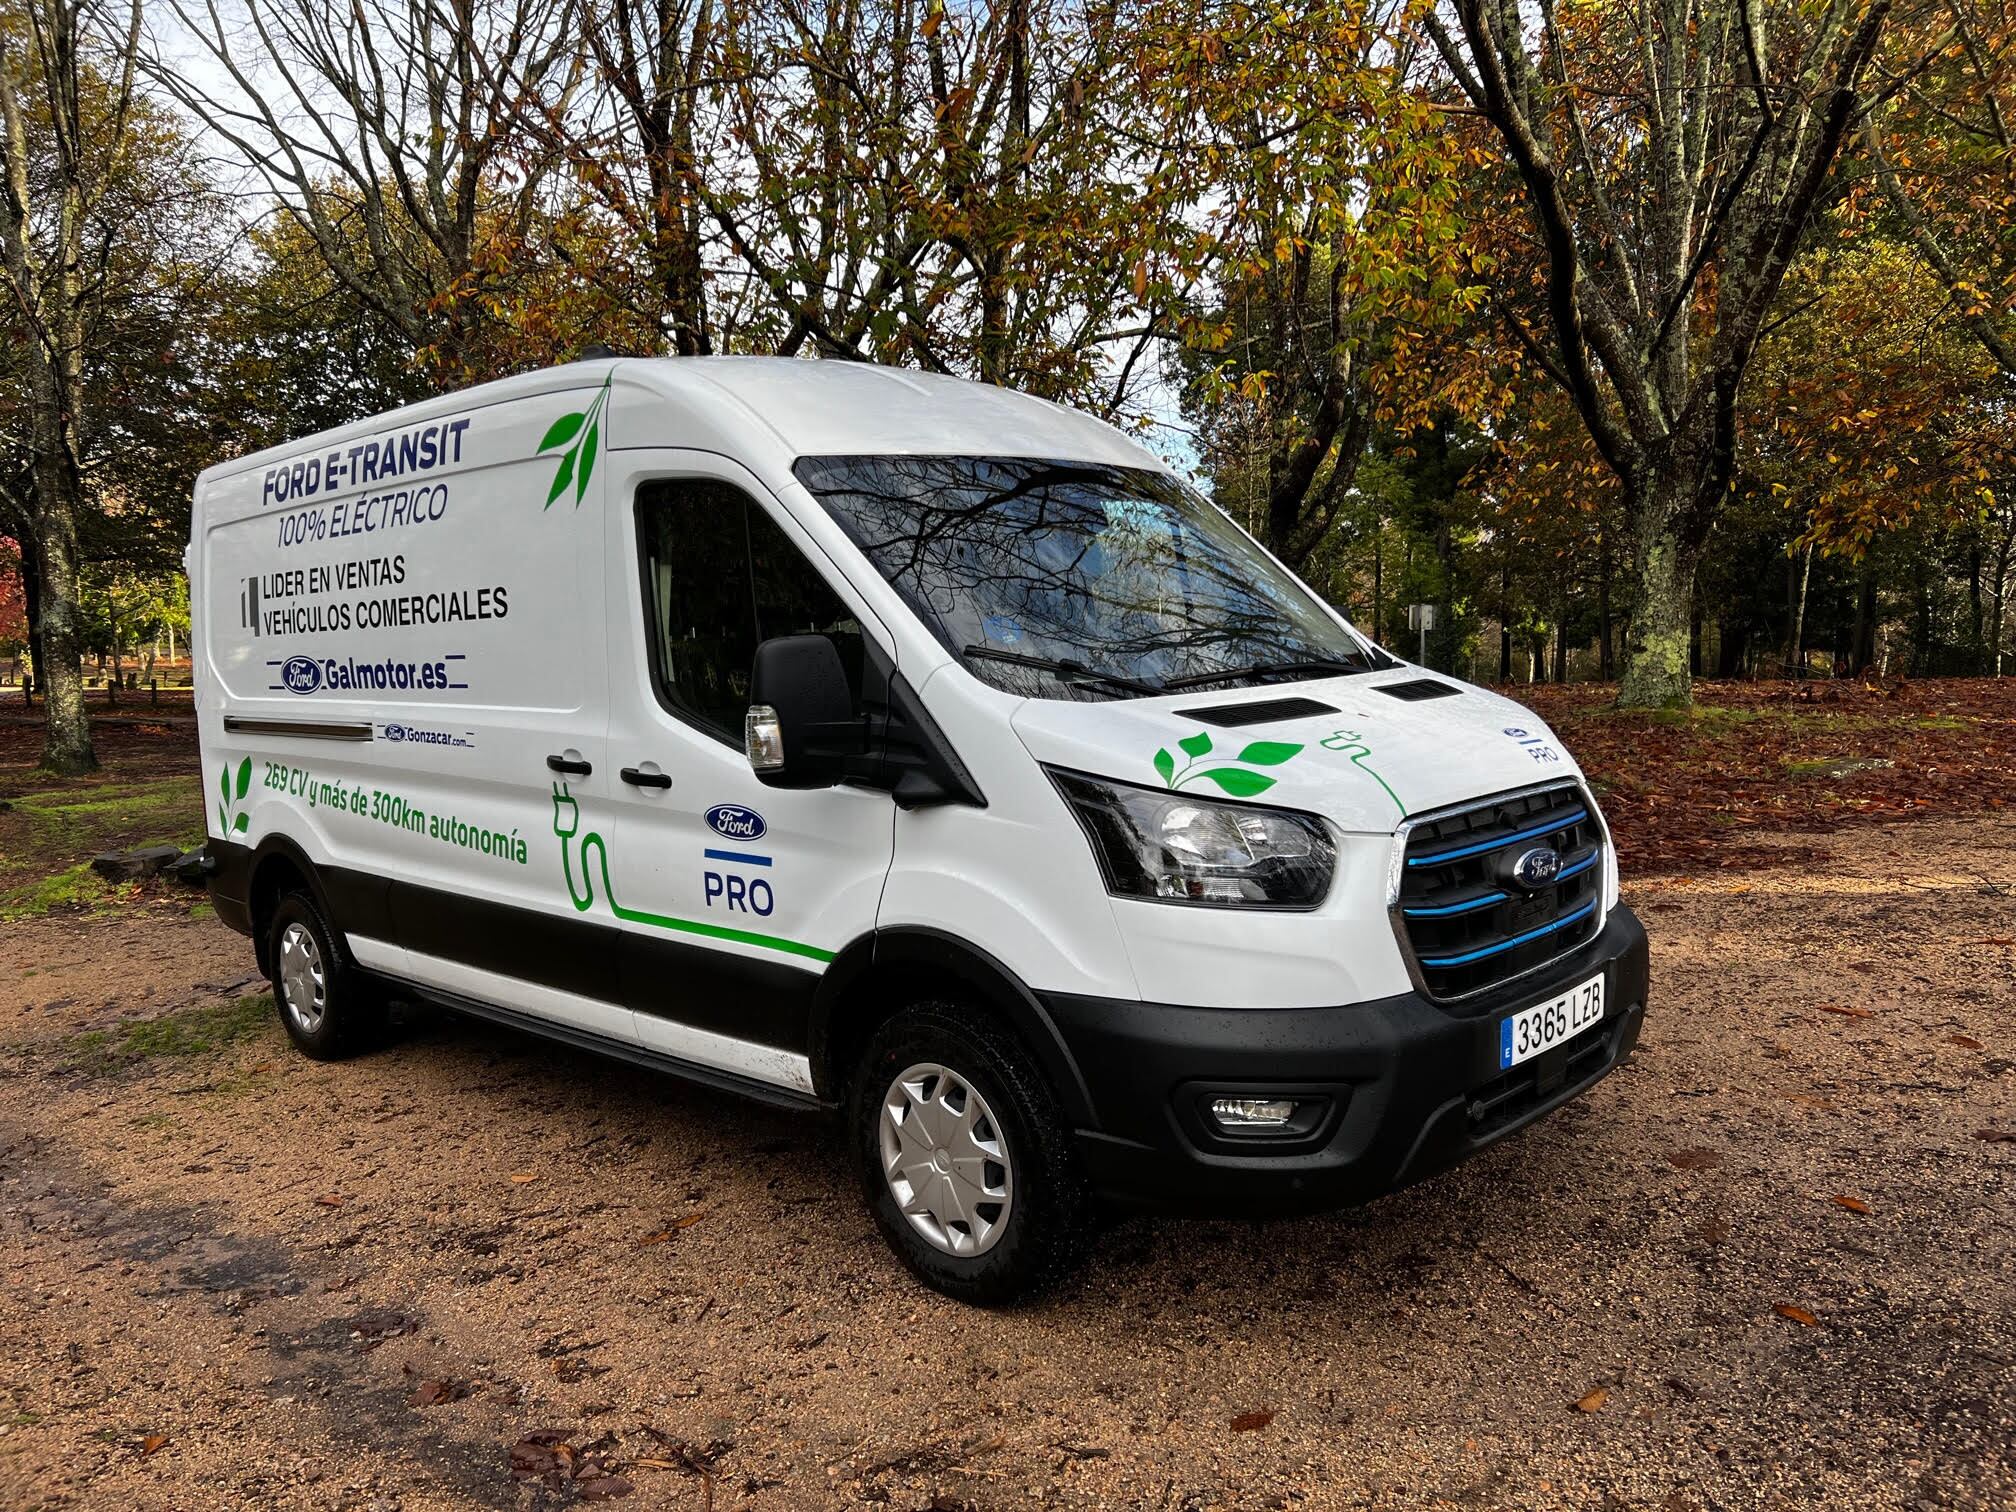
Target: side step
x=636 y=1055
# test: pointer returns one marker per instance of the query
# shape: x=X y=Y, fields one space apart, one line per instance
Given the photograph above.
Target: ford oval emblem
x=736 y=822
x=301 y=674
x=1537 y=867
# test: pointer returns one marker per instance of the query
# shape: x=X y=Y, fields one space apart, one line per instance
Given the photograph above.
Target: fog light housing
x=1253 y=1115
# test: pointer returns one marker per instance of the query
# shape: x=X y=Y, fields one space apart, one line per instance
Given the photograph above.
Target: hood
x=1341 y=747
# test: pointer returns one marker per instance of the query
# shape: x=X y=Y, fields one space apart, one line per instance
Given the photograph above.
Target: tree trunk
x=1378 y=582
x=31 y=593
x=2000 y=590
x=1606 y=667
x=66 y=738
x=1974 y=615
x=1862 y=650
x=1656 y=672
x=1798 y=636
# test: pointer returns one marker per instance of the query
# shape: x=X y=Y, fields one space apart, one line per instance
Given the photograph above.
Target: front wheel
x=967 y=1163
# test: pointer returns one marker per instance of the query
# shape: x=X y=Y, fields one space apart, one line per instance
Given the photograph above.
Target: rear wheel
x=327 y=1007
x=967 y=1164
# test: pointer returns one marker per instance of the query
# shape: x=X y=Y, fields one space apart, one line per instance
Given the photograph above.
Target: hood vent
x=1418 y=689
x=1267 y=711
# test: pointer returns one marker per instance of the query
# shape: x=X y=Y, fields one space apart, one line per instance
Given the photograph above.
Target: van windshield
x=1080 y=580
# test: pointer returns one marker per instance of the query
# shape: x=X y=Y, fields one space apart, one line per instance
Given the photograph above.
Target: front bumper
x=1409 y=1087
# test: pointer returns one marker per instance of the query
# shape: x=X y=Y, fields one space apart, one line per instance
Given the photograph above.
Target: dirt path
x=227 y=1274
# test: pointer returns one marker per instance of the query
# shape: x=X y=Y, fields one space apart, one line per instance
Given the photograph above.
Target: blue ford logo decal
x=736 y=822
x=301 y=674
x=1537 y=867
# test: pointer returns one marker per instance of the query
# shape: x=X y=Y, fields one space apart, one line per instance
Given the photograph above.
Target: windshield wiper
x=1313 y=666
x=1063 y=667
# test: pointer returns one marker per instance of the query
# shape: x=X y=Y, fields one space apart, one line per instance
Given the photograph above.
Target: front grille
x=1466 y=921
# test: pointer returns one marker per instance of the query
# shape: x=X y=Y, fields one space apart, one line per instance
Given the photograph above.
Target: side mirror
x=802 y=730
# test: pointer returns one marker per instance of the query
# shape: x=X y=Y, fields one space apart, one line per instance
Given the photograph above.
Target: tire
x=1027 y=1213
x=328 y=1008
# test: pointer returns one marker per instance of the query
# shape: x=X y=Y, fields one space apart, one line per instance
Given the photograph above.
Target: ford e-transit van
x=858 y=739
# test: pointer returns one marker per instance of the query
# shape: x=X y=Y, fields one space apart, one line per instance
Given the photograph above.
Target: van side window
x=719 y=576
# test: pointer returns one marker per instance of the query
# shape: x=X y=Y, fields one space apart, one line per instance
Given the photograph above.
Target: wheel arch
x=881 y=973
x=279 y=866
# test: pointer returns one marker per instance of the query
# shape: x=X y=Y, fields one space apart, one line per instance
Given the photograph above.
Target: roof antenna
x=595 y=351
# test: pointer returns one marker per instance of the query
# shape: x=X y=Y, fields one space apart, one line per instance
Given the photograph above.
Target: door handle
x=646 y=779
x=570 y=768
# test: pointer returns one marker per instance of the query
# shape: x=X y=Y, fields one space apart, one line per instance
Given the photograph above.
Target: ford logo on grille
x=1537 y=867
x=736 y=822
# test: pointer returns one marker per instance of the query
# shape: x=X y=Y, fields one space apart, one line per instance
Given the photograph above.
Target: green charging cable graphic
x=567 y=823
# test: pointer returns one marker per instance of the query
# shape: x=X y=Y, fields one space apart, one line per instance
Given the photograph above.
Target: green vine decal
x=232 y=818
x=1351 y=744
x=577 y=463
x=567 y=826
x=1233 y=774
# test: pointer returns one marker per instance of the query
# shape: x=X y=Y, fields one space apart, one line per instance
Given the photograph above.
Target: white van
x=865 y=740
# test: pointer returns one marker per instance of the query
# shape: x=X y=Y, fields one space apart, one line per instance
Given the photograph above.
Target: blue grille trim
x=1579 y=867
x=1469 y=905
x=1437 y=962
x=1500 y=842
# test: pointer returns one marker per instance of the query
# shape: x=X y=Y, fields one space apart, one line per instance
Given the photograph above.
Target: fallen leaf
x=1846 y=1010
x=1797 y=1314
x=521 y=1177
x=1251 y=1422
x=601 y=1487
x=685 y=1456
x=1853 y=1204
x=329 y=1201
x=1697 y=1159
x=1996 y=1136
x=658 y=1238
x=432 y=1393
x=1964 y=1041
x=262 y=1068
x=1808 y=1100
x=152 y=1442
x=1593 y=1402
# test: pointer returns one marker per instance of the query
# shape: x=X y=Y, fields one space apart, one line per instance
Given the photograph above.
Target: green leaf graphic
x=243 y=820
x=224 y=820
x=563 y=430
x=588 y=447
x=1196 y=745
x=564 y=476
x=244 y=778
x=1239 y=782
x=1165 y=765
x=1268 y=752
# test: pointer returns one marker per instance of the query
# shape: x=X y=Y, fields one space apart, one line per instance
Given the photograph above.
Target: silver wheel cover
x=304 y=986
x=946 y=1161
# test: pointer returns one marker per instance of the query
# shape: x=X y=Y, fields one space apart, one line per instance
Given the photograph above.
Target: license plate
x=1530 y=1031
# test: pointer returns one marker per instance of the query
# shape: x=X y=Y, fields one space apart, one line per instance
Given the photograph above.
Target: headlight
x=1183 y=849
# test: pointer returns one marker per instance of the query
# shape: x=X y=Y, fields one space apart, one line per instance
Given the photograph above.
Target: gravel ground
x=1770 y=1263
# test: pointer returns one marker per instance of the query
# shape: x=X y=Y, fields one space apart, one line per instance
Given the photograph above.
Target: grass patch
x=1707 y=719
x=49 y=828
x=77 y=889
x=191 y=1031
